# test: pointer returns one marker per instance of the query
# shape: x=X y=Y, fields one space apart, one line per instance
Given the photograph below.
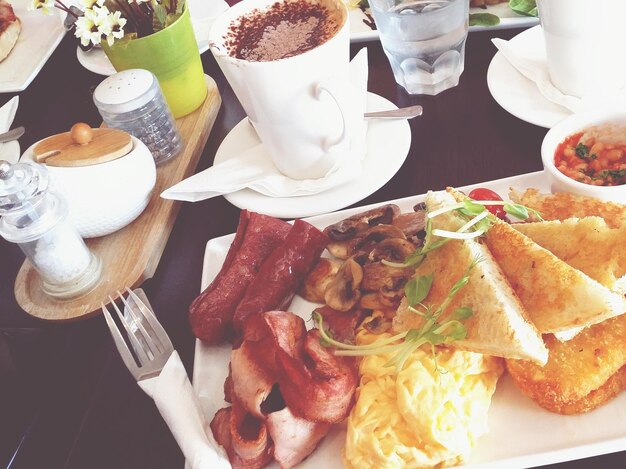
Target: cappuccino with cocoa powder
x=283 y=30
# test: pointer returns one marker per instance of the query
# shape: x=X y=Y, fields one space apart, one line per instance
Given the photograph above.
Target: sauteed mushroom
x=411 y=223
x=376 y=234
x=343 y=292
x=392 y=249
x=375 y=300
x=377 y=276
x=346 y=235
x=317 y=281
x=350 y=227
x=377 y=323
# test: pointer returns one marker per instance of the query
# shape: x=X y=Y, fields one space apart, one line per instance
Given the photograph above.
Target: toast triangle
x=557 y=297
x=563 y=205
x=587 y=244
x=499 y=325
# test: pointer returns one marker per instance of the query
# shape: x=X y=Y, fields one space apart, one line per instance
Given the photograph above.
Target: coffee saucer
x=517 y=94
x=388 y=143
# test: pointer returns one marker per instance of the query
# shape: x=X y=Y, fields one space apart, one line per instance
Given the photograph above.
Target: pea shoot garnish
x=478 y=221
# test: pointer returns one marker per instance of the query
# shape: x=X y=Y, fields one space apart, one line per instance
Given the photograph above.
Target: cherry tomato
x=483 y=193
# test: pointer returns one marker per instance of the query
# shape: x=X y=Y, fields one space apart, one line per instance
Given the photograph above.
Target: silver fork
x=149 y=341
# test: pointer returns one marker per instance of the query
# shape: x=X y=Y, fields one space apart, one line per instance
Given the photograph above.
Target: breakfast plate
x=516 y=93
x=362 y=27
x=40 y=36
x=388 y=143
x=521 y=434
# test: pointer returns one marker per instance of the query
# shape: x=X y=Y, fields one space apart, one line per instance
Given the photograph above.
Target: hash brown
x=581 y=374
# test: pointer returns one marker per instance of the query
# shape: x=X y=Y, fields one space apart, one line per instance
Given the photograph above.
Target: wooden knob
x=81 y=133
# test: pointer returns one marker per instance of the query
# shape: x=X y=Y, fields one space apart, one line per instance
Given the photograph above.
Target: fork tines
x=149 y=341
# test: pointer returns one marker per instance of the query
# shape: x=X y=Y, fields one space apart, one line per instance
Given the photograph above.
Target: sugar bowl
x=106 y=176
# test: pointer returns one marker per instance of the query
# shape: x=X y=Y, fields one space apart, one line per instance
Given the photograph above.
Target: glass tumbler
x=133 y=102
x=424 y=41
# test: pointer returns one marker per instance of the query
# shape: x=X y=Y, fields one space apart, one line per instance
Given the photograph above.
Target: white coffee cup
x=585 y=45
x=302 y=107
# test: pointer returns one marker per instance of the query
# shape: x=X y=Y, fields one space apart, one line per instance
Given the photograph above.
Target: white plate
x=516 y=93
x=388 y=144
x=39 y=37
x=360 y=29
x=521 y=433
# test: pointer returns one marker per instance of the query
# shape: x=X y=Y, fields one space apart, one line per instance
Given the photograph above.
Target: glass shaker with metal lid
x=132 y=101
x=36 y=219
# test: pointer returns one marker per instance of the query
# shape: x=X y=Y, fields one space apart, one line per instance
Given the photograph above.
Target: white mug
x=302 y=107
x=585 y=43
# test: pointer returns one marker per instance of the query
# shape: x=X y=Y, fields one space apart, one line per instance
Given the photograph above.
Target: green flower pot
x=172 y=55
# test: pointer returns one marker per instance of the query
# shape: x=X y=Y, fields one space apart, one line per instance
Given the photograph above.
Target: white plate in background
x=521 y=434
x=517 y=94
x=40 y=36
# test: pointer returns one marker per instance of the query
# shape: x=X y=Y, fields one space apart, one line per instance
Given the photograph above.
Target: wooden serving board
x=131 y=255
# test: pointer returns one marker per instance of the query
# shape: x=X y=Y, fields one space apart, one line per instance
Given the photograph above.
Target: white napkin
x=179 y=406
x=254 y=169
x=9 y=151
x=536 y=70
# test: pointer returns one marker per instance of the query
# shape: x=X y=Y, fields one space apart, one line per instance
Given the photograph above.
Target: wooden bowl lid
x=96 y=146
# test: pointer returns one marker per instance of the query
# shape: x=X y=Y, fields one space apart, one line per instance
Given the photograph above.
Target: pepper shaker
x=37 y=220
x=132 y=101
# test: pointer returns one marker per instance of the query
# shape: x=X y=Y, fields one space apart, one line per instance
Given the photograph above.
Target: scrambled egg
x=427 y=415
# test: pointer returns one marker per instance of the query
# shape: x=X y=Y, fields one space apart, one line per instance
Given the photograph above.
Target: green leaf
x=415 y=259
x=458 y=285
x=160 y=17
x=456 y=330
x=471 y=209
x=418 y=288
x=483 y=19
x=484 y=224
x=524 y=7
x=516 y=210
x=463 y=313
x=411 y=335
x=434 y=338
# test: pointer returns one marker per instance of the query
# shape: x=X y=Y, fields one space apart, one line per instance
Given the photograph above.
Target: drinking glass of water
x=424 y=41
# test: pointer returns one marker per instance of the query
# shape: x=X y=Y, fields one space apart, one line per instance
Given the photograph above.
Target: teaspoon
x=402 y=113
x=11 y=134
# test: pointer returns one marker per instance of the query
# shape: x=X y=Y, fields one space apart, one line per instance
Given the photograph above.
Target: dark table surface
x=66 y=399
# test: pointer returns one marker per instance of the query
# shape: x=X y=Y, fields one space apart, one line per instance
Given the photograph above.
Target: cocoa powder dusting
x=283 y=30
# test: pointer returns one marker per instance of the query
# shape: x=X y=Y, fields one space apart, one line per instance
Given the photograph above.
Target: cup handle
x=338 y=92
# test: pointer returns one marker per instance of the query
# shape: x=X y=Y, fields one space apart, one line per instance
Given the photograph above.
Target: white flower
x=90 y=3
x=138 y=2
x=93 y=26
x=115 y=27
x=87 y=31
x=44 y=5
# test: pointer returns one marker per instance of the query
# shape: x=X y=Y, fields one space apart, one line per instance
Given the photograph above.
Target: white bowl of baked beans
x=585 y=154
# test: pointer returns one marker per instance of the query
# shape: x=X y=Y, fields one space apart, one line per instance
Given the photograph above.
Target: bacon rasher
x=284 y=378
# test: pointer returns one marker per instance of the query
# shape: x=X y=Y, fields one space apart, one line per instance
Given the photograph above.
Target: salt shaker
x=36 y=219
x=132 y=101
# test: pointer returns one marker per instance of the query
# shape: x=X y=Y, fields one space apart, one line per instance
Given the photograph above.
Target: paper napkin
x=9 y=151
x=177 y=402
x=254 y=169
x=536 y=70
